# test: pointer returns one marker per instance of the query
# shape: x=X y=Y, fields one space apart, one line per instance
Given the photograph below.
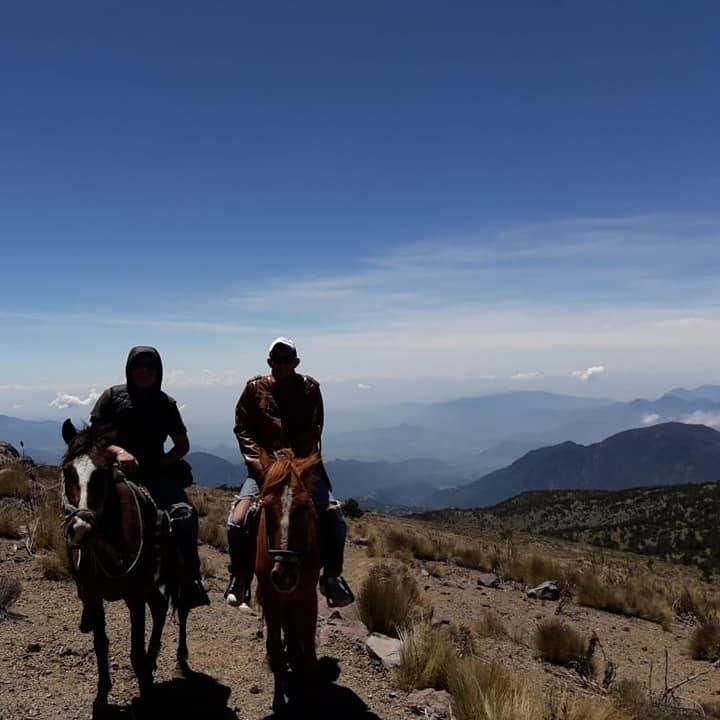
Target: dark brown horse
x=119 y=548
x=287 y=566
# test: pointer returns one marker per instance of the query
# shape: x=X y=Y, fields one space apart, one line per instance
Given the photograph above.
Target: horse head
x=87 y=473
x=290 y=517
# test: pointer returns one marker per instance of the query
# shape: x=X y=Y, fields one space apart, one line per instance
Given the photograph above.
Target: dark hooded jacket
x=142 y=419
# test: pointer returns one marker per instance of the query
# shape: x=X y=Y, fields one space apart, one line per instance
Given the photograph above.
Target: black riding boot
x=333 y=531
x=184 y=528
x=241 y=549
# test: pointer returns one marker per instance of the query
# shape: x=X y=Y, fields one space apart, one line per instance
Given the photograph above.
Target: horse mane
x=89 y=438
x=288 y=468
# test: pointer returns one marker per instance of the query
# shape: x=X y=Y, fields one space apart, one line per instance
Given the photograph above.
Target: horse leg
x=276 y=658
x=138 y=656
x=95 y=613
x=182 y=650
x=158 y=609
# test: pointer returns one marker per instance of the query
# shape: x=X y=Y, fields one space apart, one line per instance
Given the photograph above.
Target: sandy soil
x=47 y=667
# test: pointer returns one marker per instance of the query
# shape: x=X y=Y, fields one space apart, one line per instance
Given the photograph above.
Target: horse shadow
x=192 y=697
x=326 y=701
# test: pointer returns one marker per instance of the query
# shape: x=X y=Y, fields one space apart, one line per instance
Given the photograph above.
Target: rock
x=351 y=629
x=33 y=647
x=489 y=580
x=430 y=703
x=385 y=649
x=362 y=542
x=254 y=690
x=424 y=572
x=545 y=591
x=8 y=454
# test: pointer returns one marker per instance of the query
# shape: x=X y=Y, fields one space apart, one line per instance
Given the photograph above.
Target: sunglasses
x=283 y=359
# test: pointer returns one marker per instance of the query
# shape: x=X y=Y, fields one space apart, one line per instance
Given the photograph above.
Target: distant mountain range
x=460 y=432
x=447 y=445
x=664 y=454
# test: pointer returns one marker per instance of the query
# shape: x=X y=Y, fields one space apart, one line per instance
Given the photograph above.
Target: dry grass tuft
x=491 y=625
x=695 y=604
x=483 y=691
x=427 y=656
x=54 y=565
x=569 y=708
x=212 y=529
x=533 y=569
x=46 y=527
x=705 y=639
x=14 y=483
x=473 y=555
x=635 y=597
x=560 y=644
x=10 y=591
x=13 y=519
x=389 y=599
x=210 y=567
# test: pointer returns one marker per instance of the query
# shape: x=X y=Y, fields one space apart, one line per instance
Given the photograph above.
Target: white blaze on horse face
x=287 y=500
x=84 y=467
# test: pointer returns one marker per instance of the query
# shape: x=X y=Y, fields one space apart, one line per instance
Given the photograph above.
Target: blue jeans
x=322 y=495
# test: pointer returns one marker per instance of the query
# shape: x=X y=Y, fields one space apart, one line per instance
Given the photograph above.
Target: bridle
x=91 y=517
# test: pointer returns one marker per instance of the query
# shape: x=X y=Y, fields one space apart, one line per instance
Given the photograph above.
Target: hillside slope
x=664 y=454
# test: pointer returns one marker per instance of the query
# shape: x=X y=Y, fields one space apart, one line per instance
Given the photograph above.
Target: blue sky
x=434 y=198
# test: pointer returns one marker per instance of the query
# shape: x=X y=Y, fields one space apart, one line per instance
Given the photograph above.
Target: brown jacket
x=273 y=415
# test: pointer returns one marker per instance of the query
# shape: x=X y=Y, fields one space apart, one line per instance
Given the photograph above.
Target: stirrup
x=336 y=591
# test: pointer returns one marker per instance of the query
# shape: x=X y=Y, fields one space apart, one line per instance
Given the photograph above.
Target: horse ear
x=68 y=431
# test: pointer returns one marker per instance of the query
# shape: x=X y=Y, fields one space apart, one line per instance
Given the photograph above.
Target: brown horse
x=287 y=566
x=119 y=548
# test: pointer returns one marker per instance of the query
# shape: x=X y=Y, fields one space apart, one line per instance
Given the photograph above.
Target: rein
x=90 y=517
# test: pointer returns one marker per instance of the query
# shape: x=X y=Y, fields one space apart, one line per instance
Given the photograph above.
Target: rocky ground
x=47 y=667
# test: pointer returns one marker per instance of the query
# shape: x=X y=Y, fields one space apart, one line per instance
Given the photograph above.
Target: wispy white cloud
x=589 y=373
x=522 y=376
x=363 y=386
x=650 y=418
x=16 y=406
x=65 y=400
x=702 y=417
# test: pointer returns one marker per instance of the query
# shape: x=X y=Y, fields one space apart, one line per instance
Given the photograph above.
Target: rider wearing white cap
x=278 y=411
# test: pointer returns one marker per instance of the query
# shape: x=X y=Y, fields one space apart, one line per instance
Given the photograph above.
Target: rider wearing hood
x=142 y=417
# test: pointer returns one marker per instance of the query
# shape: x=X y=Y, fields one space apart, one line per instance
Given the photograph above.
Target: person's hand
x=126 y=460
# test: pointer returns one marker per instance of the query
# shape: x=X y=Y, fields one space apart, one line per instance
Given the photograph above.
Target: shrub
x=389 y=599
x=427 y=657
x=705 y=639
x=10 y=590
x=559 y=643
x=351 y=508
